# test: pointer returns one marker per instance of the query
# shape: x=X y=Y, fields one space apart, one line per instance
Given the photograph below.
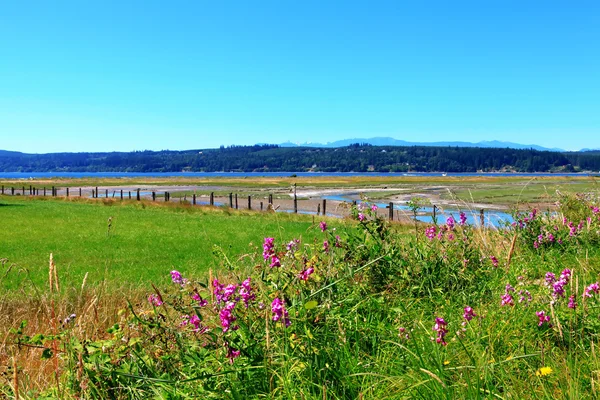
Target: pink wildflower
x=440 y=328
x=323 y=226
x=279 y=312
x=543 y=318
x=155 y=300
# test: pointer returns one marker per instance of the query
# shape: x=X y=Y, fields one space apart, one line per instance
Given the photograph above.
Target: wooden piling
x=324 y=207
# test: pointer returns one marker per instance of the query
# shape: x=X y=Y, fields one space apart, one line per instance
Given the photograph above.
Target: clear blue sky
x=135 y=75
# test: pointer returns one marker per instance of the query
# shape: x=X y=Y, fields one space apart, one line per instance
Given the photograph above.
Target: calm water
x=41 y=175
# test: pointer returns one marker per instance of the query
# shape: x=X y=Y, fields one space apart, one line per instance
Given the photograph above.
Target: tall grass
x=359 y=311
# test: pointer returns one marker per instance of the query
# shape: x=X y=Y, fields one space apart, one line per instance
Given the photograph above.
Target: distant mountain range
x=388 y=141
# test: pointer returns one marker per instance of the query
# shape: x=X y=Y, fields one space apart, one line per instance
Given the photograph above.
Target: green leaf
x=46 y=354
x=311 y=304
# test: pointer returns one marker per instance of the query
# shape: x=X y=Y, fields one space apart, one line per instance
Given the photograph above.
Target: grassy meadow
x=142 y=242
x=295 y=309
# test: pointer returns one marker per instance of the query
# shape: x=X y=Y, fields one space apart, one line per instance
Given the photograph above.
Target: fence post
x=324 y=207
x=96 y=195
x=318 y=208
x=53 y=191
x=67 y=192
x=12 y=191
x=295 y=201
x=236 y=202
x=249 y=202
x=79 y=192
x=212 y=198
x=270 y=199
x=194 y=199
x=121 y=194
x=434 y=216
x=23 y=190
x=137 y=195
x=391 y=206
x=230 y=200
x=153 y=196
x=129 y=193
x=481 y=217
x=30 y=190
x=261 y=206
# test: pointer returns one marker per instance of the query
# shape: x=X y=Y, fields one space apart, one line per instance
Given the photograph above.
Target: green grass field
x=144 y=242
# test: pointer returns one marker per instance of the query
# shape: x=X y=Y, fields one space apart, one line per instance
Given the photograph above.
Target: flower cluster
x=155 y=300
x=303 y=276
x=507 y=299
x=440 y=327
x=469 y=314
x=558 y=285
x=462 y=218
x=543 y=318
x=323 y=226
x=201 y=302
x=177 y=278
x=430 y=232
x=194 y=321
x=279 y=311
x=591 y=289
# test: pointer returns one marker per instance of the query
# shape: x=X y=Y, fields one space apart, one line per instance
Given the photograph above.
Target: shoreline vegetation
x=356 y=157
x=140 y=300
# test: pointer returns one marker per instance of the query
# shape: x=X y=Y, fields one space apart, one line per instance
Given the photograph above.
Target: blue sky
x=135 y=75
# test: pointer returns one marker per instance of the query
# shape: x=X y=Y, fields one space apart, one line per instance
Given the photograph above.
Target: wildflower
x=543 y=371
x=268 y=247
x=69 y=319
x=326 y=246
x=232 y=353
x=374 y=207
x=275 y=262
x=543 y=318
x=293 y=245
x=506 y=298
x=595 y=210
x=361 y=217
x=536 y=244
x=201 y=302
x=155 y=300
x=305 y=274
x=469 y=314
x=463 y=218
x=440 y=327
x=227 y=317
x=593 y=288
x=323 y=226
x=279 y=312
x=550 y=278
x=403 y=333
x=176 y=277
x=218 y=290
x=450 y=222
x=524 y=296
x=450 y=236
x=338 y=241
x=246 y=292
x=228 y=292
x=430 y=232
x=572 y=302
x=494 y=261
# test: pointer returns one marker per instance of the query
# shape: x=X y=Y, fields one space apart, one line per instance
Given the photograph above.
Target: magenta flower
x=155 y=300
x=338 y=241
x=293 y=245
x=201 y=302
x=469 y=314
x=374 y=207
x=232 y=353
x=440 y=328
x=176 y=277
x=246 y=292
x=303 y=276
x=507 y=299
x=525 y=296
x=361 y=217
x=227 y=317
x=572 y=302
x=590 y=290
x=463 y=218
x=326 y=246
x=494 y=261
x=323 y=226
x=275 y=262
x=268 y=247
x=450 y=222
x=430 y=232
x=279 y=312
x=543 y=318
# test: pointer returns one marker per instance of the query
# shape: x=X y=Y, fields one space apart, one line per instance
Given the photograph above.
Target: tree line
x=356 y=157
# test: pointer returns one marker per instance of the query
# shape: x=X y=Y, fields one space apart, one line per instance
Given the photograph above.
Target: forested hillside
x=359 y=158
